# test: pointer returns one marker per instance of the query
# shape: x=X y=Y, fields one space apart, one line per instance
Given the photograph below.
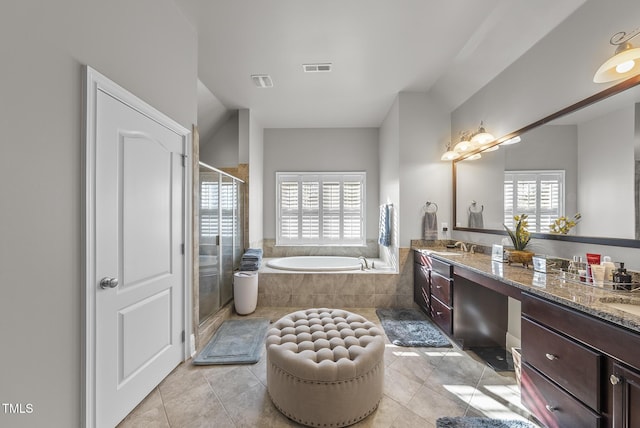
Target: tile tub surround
x=583 y=297
x=371 y=288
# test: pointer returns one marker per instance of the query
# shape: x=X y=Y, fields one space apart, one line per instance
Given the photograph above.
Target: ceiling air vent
x=317 y=68
x=262 y=80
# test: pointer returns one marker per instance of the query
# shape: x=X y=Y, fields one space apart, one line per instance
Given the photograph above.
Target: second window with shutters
x=320 y=208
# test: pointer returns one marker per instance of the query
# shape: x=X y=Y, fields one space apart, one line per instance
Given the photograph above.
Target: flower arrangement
x=562 y=225
x=520 y=236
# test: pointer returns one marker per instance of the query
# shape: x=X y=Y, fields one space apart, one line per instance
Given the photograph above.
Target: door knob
x=614 y=379
x=109 y=282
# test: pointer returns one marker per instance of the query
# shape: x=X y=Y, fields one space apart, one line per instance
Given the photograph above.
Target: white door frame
x=94 y=83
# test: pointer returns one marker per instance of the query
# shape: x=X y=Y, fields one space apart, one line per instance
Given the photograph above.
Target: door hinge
x=184 y=160
x=181 y=248
x=183 y=336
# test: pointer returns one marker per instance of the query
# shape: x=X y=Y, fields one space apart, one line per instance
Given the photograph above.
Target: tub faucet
x=462 y=245
x=472 y=250
x=365 y=263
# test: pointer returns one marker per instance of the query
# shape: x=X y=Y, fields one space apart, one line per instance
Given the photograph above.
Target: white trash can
x=245 y=292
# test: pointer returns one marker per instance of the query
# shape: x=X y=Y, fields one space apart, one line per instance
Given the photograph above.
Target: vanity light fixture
x=624 y=63
x=449 y=155
x=482 y=137
x=464 y=145
x=474 y=157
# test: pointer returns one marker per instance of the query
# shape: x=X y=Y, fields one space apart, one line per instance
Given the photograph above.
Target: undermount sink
x=445 y=253
x=625 y=305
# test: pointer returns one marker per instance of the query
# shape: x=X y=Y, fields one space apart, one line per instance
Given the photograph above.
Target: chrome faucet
x=472 y=250
x=365 y=263
x=462 y=245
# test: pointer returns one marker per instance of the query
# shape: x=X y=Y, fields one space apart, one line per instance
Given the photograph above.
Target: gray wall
x=325 y=149
x=221 y=150
x=146 y=46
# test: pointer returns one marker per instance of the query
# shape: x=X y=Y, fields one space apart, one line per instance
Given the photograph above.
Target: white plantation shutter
x=208 y=209
x=320 y=208
x=540 y=194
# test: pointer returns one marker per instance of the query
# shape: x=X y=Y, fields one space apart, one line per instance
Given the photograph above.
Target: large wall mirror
x=584 y=159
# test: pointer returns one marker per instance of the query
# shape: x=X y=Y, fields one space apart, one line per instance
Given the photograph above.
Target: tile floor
x=421 y=385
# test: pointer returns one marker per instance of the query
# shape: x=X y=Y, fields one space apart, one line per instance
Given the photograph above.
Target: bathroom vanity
x=580 y=351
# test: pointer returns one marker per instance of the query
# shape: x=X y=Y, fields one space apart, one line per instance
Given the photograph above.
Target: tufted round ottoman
x=325 y=367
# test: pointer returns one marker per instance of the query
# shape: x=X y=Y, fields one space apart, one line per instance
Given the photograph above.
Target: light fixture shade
x=491 y=149
x=514 y=140
x=623 y=64
x=474 y=157
x=464 y=146
x=450 y=155
x=482 y=137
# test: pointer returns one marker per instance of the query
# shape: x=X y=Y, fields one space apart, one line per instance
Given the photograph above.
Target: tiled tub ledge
x=371 y=288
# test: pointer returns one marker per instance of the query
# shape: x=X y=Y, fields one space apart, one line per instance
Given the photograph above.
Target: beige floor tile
x=421 y=384
x=148 y=413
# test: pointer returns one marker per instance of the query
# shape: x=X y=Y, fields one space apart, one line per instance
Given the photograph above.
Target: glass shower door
x=209 y=254
x=228 y=198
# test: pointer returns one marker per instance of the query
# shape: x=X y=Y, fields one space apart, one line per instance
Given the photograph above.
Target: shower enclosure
x=221 y=237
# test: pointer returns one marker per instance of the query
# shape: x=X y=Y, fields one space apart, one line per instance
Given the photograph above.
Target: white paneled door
x=137 y=282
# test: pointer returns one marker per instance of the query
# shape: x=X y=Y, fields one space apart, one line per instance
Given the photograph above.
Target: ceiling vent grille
x=262 y=80
x=317 y=68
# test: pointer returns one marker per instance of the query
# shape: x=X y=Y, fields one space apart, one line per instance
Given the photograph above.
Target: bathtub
x=316 y=263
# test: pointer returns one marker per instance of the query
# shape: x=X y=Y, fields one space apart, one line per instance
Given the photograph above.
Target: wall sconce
x=513 y=140
x=449 y=155
x=624 y=63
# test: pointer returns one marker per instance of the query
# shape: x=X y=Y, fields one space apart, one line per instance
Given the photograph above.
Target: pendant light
x=624 y=63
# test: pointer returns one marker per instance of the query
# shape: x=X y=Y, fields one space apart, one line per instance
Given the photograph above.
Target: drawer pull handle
x=551 y=408
x=438 y=313
x=551 y=357
x=614 y=379
x=438 y=286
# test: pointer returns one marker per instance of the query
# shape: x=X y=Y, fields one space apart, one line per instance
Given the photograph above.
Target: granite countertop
x=588 y=299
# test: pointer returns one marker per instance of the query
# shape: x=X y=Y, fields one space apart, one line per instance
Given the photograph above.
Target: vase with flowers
x=520 y=238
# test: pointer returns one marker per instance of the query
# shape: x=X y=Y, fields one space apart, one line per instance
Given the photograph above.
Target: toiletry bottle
x=622 y=277
x=610 y=268
x=592 y=259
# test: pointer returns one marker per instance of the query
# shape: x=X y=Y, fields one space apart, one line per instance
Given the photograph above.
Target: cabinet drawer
x=443 y=268
x=421 y=258
x=551 y=405
x=441 y=288
x=441 y=315
x=572 y=366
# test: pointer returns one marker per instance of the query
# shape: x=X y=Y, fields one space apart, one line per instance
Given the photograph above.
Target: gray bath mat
x=467 y=422
x=235 y=342
x=410 y=327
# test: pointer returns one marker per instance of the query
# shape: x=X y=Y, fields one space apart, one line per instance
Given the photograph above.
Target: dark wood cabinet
x=433 y=289
x=626 y=397
x=575 y=364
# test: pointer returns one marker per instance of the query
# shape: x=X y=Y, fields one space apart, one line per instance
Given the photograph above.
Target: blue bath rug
x=468 y=422
x=235 y=342
x=410 y=327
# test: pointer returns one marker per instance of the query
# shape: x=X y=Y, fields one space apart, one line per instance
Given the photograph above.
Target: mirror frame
x=618 y=242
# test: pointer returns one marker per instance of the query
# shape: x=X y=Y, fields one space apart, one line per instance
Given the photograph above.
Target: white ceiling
x=378 y=48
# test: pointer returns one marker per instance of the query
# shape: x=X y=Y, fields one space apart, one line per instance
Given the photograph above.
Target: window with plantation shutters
x=540 y=194
x=320 y=208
